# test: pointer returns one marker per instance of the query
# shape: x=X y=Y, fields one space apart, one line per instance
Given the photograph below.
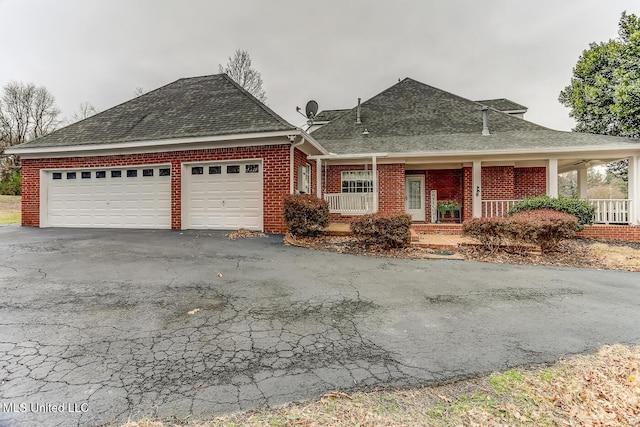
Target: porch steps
x=338 y=229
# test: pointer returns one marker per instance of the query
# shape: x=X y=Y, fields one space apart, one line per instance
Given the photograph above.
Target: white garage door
x=224 y=196
x=129 y=197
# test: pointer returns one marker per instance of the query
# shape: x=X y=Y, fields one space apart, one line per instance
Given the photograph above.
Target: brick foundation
x=275 y=176
x=630 y=233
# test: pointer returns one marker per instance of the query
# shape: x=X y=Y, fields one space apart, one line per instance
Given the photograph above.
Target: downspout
x=292 y=163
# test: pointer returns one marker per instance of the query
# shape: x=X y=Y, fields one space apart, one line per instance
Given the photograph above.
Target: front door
x=414 y=197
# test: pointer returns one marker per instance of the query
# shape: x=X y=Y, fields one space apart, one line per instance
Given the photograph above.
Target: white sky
x=333 y=51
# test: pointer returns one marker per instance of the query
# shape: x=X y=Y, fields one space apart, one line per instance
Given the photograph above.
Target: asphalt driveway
x=111 y=325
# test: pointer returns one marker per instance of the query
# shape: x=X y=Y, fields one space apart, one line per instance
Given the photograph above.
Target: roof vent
x=358 y=119
x=485 y=121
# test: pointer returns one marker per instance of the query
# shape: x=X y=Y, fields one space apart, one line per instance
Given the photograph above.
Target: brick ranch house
x=204 y=153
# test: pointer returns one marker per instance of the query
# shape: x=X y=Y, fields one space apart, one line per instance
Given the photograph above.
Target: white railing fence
x=494 y=208
x=350 y=203
x=611 y=211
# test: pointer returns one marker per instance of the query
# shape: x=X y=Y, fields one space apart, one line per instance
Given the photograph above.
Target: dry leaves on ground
x=244 y=233
x=351 y=245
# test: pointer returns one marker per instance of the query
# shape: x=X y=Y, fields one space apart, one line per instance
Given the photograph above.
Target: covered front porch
x=447 y=190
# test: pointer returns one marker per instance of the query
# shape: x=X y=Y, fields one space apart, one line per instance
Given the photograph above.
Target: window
x=71 y=175
x=86 y=175
x=147 y=172
x=164 y=172
x=198 y=170
x=132 y=173
x=101 y=174
x=215 y=170
x=116 y=174
x=357 y=182
x=57 y=175
x=233 y=169
x=252 y=169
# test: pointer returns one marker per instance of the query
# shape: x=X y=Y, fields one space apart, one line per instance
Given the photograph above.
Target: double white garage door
x=214 y=195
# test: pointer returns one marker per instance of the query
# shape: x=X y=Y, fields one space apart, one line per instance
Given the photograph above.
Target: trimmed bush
x=305 y=215
x=579 y=208
x=10 y=186
x=543 y=227
x=490 y=232
x=384 y=230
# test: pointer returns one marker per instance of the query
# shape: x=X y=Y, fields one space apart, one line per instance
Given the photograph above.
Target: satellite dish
x=311 y=109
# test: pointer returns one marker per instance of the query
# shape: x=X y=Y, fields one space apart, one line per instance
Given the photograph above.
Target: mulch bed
x=350 y=245
x=571 y=253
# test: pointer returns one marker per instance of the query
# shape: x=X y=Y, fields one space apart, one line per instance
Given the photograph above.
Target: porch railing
x=611 y=211
x=350 y=203
x=494 y=208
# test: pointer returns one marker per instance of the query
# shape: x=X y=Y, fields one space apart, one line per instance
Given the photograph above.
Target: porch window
x=357 y=182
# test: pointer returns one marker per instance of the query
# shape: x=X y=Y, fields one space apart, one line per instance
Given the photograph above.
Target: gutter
x=161 y=142
x=479 y=153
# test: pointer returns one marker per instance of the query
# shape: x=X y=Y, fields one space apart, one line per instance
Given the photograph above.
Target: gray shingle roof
x=329 y=115
x=191 y=107
x=414 y=117
x=503 y=104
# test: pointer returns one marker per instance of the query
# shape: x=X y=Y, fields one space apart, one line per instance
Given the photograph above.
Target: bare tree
x=26 y=112
x=139 y=91
x=85 y=110
x=239 y=69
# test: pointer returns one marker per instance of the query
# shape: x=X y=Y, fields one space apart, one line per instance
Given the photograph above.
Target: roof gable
x=411 y=108
x=412 y=117
x=187 y=108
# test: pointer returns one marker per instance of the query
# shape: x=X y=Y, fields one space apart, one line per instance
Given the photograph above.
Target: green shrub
x=579 y=208
x=543 y=227
x=384 y=230
x=305 y=215
x=10 y=185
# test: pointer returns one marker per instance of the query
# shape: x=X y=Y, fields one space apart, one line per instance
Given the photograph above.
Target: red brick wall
x=391 y=181
x=530 y=182
x=611 y=232
x=275 y=176
x=448 y=184
x=497 y=183
x=300 y=159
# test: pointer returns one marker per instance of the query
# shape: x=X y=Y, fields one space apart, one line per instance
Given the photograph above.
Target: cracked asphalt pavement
x=105 y=326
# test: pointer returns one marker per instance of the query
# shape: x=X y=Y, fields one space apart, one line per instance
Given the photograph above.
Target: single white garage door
x=224 y=196
x=127 y=197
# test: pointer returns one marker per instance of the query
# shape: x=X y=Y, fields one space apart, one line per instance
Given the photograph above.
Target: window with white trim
x=357 y=181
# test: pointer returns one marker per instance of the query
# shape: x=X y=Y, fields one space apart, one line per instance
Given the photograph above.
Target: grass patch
x=598 y=389
x=10 y=209
x=618 y=257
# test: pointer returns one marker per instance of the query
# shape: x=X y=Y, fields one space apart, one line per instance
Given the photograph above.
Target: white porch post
x=552 y=178
x=582 y=183
x=319 y=178
x=634 y=189
x=476 y=183
x=374 y=171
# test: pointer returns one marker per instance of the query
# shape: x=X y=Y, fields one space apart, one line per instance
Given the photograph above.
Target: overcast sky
x=99 y=51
